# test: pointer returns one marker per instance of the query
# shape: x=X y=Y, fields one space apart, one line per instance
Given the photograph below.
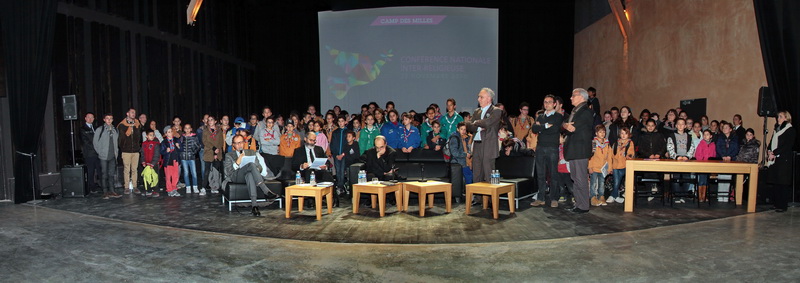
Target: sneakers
x=215 y=191
x=610 y=200
x=148 y=193
x=137 y=191
x=155 y=194
x=553 y=203
x=203 y=191
x=127 y=191
x=619 y=200
x=562 y=199
x=680 y=200
x=602 y=201
x=106 y=196
x=181 y=185
x=595 y=202
x=195 y=190
x=537 y=203
x=174 y=194
x=650 y=198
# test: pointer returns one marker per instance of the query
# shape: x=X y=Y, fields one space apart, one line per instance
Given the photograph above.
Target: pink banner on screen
x=408 y=20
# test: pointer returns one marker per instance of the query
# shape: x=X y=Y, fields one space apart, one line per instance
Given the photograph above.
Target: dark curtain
x=779 y=33
x=28 y=28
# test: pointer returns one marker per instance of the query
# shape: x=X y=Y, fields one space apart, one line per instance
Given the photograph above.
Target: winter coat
x=748 y=152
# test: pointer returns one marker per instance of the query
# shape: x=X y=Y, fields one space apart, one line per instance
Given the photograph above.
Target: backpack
x=446 y=149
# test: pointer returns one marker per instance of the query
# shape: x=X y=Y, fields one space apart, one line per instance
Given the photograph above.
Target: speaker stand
x=764 y=143
x=72 y=141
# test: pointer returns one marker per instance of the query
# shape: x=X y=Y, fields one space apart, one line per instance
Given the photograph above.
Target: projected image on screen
x=413 y=56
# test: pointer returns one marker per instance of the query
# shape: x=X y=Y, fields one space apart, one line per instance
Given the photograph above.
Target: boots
x=601 y=201
x=594 y=201
x=701 y=193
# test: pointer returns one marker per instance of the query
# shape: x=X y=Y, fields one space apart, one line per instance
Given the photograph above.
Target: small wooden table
x=378 y=191
x=695 y=166
x=491 y=190
x=428 y=188
x=302 y=191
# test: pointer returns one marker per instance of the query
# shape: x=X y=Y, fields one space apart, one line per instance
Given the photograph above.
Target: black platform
x=207 y=213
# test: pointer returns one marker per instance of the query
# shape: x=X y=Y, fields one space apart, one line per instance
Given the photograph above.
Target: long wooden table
x=694 y=166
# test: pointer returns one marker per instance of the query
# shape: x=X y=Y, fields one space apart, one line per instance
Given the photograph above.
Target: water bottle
x=313 y=178
x=494 y=176
x=298 y=179
x=497 y=176
x=362 y=177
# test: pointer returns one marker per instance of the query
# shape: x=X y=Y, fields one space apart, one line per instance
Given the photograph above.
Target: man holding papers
x=311 y=158
x=247 y=166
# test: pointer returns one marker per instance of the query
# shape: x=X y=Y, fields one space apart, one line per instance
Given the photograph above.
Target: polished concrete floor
x=42 y=244
x=207 y=213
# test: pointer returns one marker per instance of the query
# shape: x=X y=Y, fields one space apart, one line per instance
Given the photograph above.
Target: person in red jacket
x=150 y=155
x=706 y=150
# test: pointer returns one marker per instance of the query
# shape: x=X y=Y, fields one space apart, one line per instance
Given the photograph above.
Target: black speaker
x=70 y=107
x=72 y=182
x=766 y=103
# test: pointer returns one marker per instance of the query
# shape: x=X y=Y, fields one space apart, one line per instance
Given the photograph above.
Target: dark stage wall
x=242 y=55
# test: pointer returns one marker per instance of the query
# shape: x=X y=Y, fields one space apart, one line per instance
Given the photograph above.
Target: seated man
x=304 y=156
x=379 y=160
x=253 y=174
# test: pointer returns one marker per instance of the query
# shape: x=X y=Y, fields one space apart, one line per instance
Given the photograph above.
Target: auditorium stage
x=207 y=213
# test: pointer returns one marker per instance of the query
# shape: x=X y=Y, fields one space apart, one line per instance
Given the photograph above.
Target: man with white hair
x=484 y=123
x=578 y=147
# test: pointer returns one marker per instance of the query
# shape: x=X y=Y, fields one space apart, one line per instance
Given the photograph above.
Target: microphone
x=422 y=169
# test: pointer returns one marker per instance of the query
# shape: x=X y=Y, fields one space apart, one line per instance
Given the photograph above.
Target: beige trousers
x=130 y=163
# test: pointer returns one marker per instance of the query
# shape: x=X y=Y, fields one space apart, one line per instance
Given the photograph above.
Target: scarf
x=130 y=126
x=777 y=135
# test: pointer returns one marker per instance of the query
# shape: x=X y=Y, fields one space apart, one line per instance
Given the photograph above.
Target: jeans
x=339 y=165
x=467 y=172
x=597 y=185
x=189 y=168
x=702 y=179
x=547 y=165
x=619 y=178
x=109 y=169
x=202 y=163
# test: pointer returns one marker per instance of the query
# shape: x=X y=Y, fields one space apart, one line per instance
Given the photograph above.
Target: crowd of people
x=574 y=152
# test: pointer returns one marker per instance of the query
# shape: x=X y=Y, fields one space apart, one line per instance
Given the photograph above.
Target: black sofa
x=411 y=166
x=519 y=170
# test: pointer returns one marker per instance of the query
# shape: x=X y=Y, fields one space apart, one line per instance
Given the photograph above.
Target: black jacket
x=652 y=143
x=579 y=142
x=87 y=146
x=548 y=137
x=781 y=171
x=300 y=156
x=351 y=153
x=378 y=166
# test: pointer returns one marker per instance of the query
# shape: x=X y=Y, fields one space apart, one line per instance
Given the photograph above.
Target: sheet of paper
x=318 y=162
x=246 y=160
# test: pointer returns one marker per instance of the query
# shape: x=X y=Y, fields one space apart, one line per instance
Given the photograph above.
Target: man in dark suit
x=253 y=174
x=485 y=123
x=578 y=147
x=379 y=160
x=89 y=154
x=304 y=156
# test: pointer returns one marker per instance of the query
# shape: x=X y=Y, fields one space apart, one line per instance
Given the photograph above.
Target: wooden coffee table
x=493 y=191
x=427 y=189
x=302 y=191
x=378 y=192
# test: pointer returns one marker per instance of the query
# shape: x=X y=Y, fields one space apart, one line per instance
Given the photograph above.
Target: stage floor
x=207 y=213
